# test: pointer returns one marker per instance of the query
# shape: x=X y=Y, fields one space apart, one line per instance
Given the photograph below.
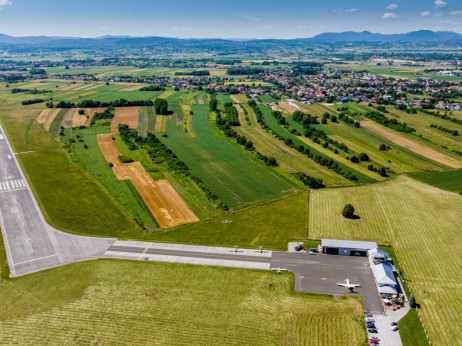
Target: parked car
x=367 y=314
x=298 y=247
x=374 y=338
x=394 y=328
x=311 y=252
x=370 y=319
x=372 y=331
x=374 y=342
x=372 y=326
x=394 y=324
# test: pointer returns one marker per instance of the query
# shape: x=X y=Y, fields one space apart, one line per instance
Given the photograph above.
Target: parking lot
x=321 y=273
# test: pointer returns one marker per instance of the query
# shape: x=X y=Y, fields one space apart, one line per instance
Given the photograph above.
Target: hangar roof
x=348 y=244
x=383 y=274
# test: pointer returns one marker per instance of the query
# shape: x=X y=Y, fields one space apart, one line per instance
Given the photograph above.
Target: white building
x=385 y=279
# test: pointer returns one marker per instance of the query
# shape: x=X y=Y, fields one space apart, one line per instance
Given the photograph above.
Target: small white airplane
x=227 y=221
x=348 y=285
x=279 y=270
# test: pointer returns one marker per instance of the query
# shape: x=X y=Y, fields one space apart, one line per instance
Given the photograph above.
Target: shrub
x=125 y=159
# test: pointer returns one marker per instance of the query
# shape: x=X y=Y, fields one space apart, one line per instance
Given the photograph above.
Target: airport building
x=385 y=279
x=346 y=247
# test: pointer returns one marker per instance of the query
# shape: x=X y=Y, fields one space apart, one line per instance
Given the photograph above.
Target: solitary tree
x=412 y=303
x=348 y=211
x=161 y=106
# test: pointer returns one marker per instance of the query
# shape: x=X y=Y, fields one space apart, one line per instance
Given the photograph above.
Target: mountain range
x=104 y=42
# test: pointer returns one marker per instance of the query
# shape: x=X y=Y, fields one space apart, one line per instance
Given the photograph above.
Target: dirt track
x=108 y=148
x=163 y=201
x=411 y=145
x=125 y=115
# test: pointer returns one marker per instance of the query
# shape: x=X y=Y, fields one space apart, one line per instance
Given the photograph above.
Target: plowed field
x=125 y=115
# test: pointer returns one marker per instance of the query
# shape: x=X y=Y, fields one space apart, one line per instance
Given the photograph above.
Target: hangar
x=346 y=247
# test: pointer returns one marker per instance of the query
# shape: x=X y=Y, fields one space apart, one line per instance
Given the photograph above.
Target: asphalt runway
x=31 y=244
x=321 y=273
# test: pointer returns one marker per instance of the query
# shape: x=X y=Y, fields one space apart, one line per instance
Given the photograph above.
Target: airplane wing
x=344 y=285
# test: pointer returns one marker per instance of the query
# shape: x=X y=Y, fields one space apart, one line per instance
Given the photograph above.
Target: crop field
x=287 y=108
x=412 y=145
x=108 y=148
x=69 y=198
x=125 y=115
x=398 y=158
x=235 y=178
x=267 y=98
x=56 y=124
x=47 y=116
x=239 y=98
x=420 y=221
x=163 y=201
x=95 y=164
x=273 y=125
x=450 y=180
x=129 y=302
x=289 y=159
x=161 y=123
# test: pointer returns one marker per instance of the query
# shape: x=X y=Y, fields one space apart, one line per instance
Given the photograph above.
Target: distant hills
x=366 y=36
x=12 y=43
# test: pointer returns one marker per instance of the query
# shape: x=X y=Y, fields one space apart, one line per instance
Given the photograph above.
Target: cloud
x=425 y=14
x=392 y=7
x=437 y=14
x=348 y=10
x=4 y=3
x=440 y=3
x=389 y=15
x=456 y=13
x=448 y=22
x=254 y=19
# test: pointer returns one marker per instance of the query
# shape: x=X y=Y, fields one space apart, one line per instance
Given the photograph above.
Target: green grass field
x=127 y=302
x=68 y=196
x=236 y=179
x=411 y=331
x=421 y=222
x=450 y=180
x=95 y=164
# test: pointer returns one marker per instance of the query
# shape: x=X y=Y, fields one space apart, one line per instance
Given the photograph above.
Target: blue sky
x=226 y=19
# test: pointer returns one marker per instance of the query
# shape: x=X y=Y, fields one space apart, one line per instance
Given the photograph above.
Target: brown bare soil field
x=67 y=120
x=78 y=120
x=161 y=123
x=69 y=87
x=125 y=115
x=286 y=107
x=47 y=116
x=186 y=109
x=91 y=112
x=109 y=149
x=411 y=145
x=132 y=88
x=163 y=201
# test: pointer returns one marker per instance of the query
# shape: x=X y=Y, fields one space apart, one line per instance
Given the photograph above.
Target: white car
x=394 y=328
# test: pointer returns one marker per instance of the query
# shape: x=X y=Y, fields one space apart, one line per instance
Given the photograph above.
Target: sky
x=225 y=19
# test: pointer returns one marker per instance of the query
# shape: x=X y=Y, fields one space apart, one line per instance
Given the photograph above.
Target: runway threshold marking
x=144 y=252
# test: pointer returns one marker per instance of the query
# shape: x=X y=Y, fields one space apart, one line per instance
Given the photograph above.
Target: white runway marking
x=17 y=184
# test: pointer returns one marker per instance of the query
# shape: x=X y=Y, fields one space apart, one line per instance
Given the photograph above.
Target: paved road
x=177 y=253
x=31 y=244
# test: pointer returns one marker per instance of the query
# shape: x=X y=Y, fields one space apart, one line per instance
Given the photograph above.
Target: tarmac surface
x=31 y=244
x=321 y=273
